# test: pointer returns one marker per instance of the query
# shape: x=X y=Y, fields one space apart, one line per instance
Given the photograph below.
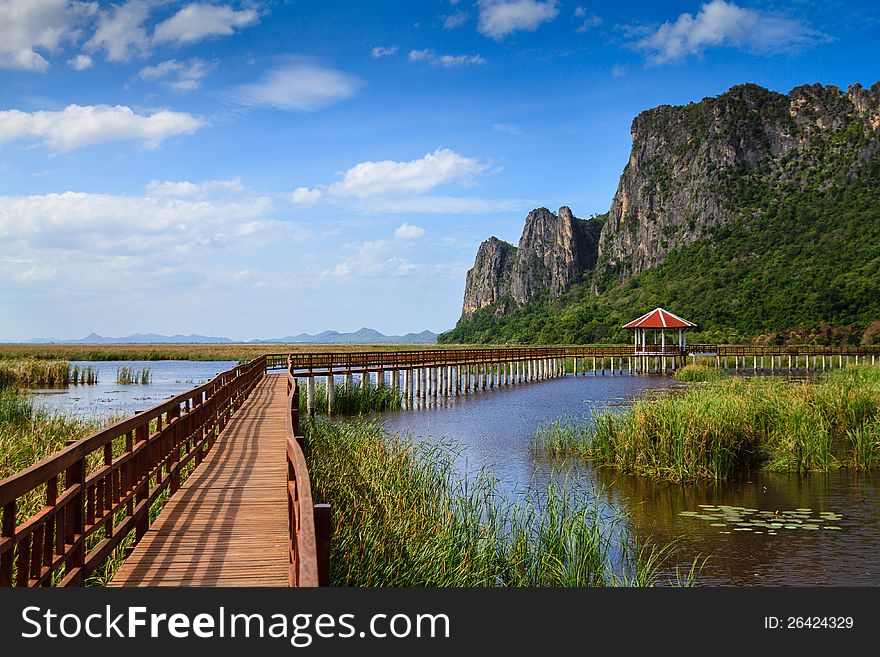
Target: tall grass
x=699 y=373
x=85 y=375
x=126 y=375
x=729 y=425
x=30 y=372
x=402 y=517
x=352 y=400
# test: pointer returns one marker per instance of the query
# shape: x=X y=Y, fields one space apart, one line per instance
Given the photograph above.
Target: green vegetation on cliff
x=794 y=259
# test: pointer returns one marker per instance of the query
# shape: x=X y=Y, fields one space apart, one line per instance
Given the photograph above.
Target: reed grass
x=737 y=424
x=403 y=517
x=126 y=375
x=352 y=400
x=30 y=372
x=83 y=375
x=699 y=373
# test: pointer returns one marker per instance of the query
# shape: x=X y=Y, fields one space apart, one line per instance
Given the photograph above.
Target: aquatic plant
x=701 y=372
x=85 y=375
x=126 y=375
x=30 y=372
x=352 y=400
x=402 y=516
x=736 y=424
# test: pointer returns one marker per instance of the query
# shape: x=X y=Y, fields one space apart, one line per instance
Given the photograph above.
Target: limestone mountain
x=755 y=211
x=553 y=253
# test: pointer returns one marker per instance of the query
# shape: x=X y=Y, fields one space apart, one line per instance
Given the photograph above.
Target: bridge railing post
x=323 y=529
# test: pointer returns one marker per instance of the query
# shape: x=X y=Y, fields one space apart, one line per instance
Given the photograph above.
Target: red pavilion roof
x=659 y=319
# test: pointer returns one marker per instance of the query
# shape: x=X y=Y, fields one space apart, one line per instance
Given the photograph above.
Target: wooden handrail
x=309 y=565
x=98 y=490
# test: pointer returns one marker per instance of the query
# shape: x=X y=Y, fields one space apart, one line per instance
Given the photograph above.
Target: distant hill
x=361 y=336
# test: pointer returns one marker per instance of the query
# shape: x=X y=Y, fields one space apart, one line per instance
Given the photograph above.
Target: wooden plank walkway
x=228 y=524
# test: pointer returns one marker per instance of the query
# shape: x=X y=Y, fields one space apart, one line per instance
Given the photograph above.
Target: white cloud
x=457 y=19
x=298 y=87
x=446 y=61
x=390 y=178
x=305 y=196
x=588 y=22
x=30 y=25
x=619 y=70
x=200 y=21
x=186 y=76
x=36 y=274
x=721 y=23
x=380 y=51
x=77 y=125
x=499 y=18
x=184 y=188
x=120 y=32
x=409 y=232
x=102 y=222
x=80 y=62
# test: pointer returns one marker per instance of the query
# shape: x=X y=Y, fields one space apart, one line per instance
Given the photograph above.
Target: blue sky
x=259 y=169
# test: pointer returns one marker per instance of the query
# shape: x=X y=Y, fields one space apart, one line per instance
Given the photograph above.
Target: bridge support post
x=349 y=381
x=365 y=380
x=331 y=390
x=310 y=395
x=594 y=366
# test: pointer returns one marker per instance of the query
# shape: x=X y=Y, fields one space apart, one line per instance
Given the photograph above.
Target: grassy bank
x=402 y=517
x=31 y=372
x=736 y=424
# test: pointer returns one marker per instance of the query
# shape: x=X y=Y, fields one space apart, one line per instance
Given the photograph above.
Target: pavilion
x=657 y=322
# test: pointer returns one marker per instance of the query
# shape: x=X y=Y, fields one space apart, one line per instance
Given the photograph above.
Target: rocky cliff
x=752 y=211
x=690 y=171
x=554 y=252
x=687 y=163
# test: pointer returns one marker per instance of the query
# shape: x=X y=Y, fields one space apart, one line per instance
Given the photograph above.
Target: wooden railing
x=309 y=523
x=62 y=517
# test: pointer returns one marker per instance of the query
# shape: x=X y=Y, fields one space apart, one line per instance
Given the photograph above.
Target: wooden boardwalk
x=228 y=523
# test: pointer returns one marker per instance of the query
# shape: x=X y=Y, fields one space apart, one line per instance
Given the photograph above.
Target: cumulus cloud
x=301 y=87
x=390 y=178
x=446 y=61
x=31 y=25
x=499 y=18
x=81 y=125
x=393 y=186
x=381 y=51
x=408 y=232
x=185 y=188
x=721 y=23
x=181 y=76
x=196 y=22
x=81 y=62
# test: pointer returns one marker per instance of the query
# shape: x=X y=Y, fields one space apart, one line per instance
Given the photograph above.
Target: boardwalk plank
x=227 y=525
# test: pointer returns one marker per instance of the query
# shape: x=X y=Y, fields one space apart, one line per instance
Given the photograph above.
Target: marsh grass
x=30 y=372
x=403 y=517
x=353 y=400
x=83 y=375
x=736 y=424
x=126 y=375
x=699 y=373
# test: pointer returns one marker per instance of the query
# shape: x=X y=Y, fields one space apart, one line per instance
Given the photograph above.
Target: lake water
x=108 y=399
x=496 y=428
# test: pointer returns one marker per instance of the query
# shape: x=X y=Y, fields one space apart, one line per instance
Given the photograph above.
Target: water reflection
x=496 y=429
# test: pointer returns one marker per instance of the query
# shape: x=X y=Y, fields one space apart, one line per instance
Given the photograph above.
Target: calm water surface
x=108 y=399
x=497 y=429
